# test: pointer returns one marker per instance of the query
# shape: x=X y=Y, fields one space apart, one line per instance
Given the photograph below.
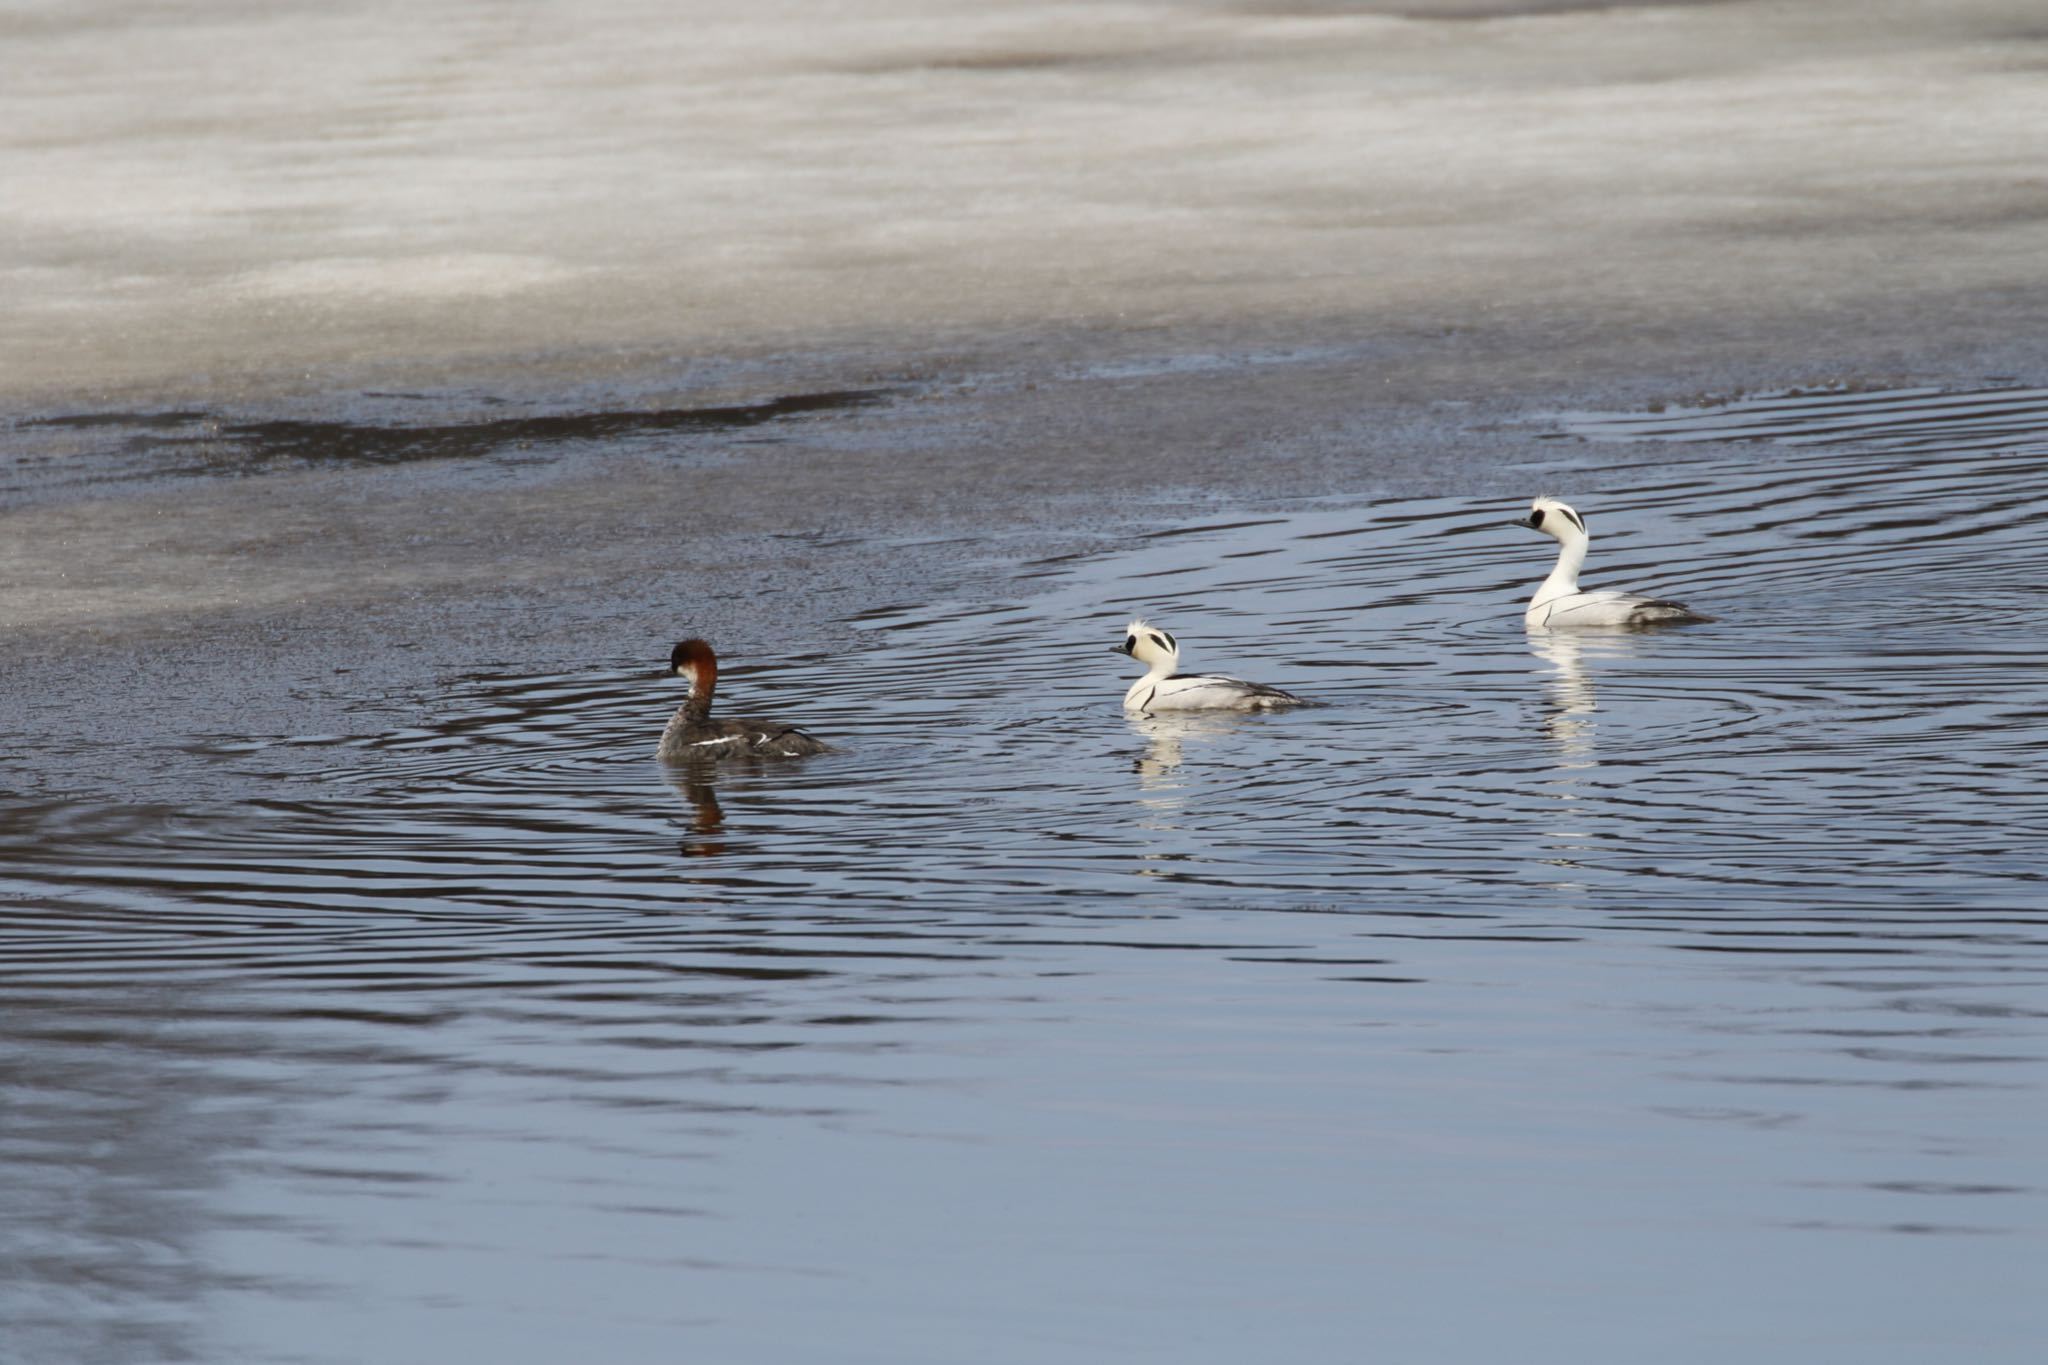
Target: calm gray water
x=1665 y=997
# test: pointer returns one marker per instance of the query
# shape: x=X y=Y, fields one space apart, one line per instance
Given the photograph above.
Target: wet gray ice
x=221 y=198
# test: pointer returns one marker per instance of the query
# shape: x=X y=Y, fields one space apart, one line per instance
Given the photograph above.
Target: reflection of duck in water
x=1165 y=739
x=692 y=734
x=1162 y=753
x=1572 y=697
x=707 y=817
x=1174 y=739
x=1164 y=689
x=1559 y=602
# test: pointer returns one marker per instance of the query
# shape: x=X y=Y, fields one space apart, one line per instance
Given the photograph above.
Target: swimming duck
x=1163 y=689
x=1561 y=603
x=692 y=734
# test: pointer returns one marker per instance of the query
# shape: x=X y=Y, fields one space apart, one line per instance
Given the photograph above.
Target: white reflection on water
x=1169 y=739
x=1570 y=724
x=1574 y=699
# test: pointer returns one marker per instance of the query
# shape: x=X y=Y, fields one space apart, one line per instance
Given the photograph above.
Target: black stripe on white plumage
x=1165 y=688
x=1560 y=603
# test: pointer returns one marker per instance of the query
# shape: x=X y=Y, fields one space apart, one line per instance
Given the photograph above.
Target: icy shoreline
x=216 y=201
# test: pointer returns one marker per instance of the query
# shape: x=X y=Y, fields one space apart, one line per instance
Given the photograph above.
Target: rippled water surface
x=1667 y=996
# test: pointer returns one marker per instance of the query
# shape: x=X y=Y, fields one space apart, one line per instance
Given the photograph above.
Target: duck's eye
x=1163 y=641
x=1130 y=643
x=1536 y=517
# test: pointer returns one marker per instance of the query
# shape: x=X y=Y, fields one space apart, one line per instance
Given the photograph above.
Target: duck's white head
x=1149 y=644
x=695 y=664
x=1554 y=519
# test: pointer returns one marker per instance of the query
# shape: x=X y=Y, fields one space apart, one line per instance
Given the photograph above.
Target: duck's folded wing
x=1618 y=609
x=1214 y=689
x=767 y=737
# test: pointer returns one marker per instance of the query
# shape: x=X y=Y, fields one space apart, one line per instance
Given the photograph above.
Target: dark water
x=44 y=453
x=1618 y=997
